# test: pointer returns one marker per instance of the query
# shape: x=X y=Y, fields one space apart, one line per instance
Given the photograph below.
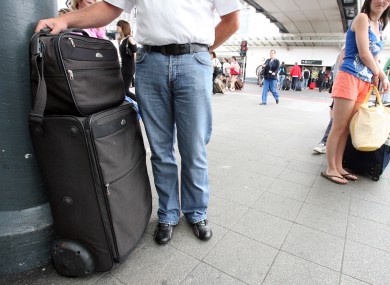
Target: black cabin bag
x=81 y=75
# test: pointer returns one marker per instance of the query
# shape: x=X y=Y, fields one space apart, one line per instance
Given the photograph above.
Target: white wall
x=290 y=55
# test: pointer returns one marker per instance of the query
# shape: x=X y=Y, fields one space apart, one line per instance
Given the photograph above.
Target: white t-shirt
x=162 y=22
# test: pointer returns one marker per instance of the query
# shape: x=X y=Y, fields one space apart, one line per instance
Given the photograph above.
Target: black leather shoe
x=277 y=101
x=163 y=233
x=202 y=230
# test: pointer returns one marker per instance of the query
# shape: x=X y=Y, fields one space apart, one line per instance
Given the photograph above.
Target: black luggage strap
x=36 y=115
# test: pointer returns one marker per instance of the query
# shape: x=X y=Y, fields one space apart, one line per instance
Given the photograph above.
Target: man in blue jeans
x=271 y=68
x=173 y=75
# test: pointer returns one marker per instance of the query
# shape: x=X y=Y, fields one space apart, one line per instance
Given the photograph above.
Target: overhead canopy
x=308 y=16
x=313 y=23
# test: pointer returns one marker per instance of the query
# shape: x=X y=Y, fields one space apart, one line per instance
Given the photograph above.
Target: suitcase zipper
x=75 y=42
x=71 y=72
x=72 y=42
x=120 y=177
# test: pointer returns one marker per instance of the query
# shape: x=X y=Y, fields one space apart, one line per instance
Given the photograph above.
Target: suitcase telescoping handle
x=36 y=114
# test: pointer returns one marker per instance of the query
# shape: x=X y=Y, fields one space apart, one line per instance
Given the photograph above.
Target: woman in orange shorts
x=359 y=69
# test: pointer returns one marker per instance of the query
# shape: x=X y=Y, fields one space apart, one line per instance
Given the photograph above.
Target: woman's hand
x=385 y=85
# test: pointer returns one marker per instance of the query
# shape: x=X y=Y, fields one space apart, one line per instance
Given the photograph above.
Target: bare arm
x=360 y=27
x=97 y=15
x=228 y=26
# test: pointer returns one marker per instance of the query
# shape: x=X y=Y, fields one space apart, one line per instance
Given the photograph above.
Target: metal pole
x=25 y=218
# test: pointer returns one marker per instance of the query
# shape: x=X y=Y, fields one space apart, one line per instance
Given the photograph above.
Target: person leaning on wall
x=92 y=32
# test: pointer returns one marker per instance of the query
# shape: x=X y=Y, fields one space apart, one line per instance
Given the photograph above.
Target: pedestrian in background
x=358 y=71
x=271 y=68
x=295 y=74
x=226 y=72
x=128 y=51
x=306 y=77
x=234 y=72
x=281 y=75
x=322 y=79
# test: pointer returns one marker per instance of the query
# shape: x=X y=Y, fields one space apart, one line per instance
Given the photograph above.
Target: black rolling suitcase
x=298 y=86
x=94 y=171
x=372 y=163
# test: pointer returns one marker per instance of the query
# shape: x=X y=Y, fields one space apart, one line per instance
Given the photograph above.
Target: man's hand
x=57 y=25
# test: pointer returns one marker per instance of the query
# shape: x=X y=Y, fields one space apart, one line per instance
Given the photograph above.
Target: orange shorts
x=350 y=87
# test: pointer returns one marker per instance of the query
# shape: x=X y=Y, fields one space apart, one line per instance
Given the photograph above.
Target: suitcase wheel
x=377 y=171
x=72 y=259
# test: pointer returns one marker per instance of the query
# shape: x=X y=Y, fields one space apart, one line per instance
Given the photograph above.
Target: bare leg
x=342 y=113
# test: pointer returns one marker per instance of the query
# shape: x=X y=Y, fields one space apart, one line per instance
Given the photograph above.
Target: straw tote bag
x=370 y=126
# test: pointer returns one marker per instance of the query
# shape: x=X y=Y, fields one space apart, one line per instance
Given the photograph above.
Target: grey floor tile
x=372 y=191
x=223 y=212
x=109 y=279
x=292 y=270
x=47 y=275
x=289 y=189
x=370 y=211
x=184 y=240
x=268 y=159
x=263 y=227
x=322 y=183
x=242 y=258
x=205 y=274
x=369 y=233
x=323 y=219
x=269 y=170
x=347 y=280
x=253 y=179
x=155 y=264
x=298 y=177
x=331 y=200
x=278 y=205
x=304 y=166
x=366 y=263
x=315 y=246
x=240 y=194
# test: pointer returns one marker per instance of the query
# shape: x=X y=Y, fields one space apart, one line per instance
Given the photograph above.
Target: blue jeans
x=281 y=79
x=174 y=97
x=305 y=82
x=269 y=84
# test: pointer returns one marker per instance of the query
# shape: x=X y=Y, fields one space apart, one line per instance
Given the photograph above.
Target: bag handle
x=377 y=94
x=36 y=114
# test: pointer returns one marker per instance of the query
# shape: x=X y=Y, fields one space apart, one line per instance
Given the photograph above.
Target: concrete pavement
x=275 y=219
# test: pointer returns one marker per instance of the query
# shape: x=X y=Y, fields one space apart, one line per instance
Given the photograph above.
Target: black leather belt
x=175 y=49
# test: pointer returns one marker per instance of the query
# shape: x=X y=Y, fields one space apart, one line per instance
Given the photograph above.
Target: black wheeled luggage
x=94 y=171
x=298 y=86
x=372 y=163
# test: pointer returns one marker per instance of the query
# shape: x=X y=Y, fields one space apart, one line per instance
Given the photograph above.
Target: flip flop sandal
x=349 y=177
x=331 y=178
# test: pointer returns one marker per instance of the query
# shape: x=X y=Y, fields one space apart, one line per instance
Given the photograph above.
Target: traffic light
x=244 y=48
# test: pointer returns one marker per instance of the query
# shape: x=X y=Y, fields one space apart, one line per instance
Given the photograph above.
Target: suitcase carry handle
x=46 y=31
